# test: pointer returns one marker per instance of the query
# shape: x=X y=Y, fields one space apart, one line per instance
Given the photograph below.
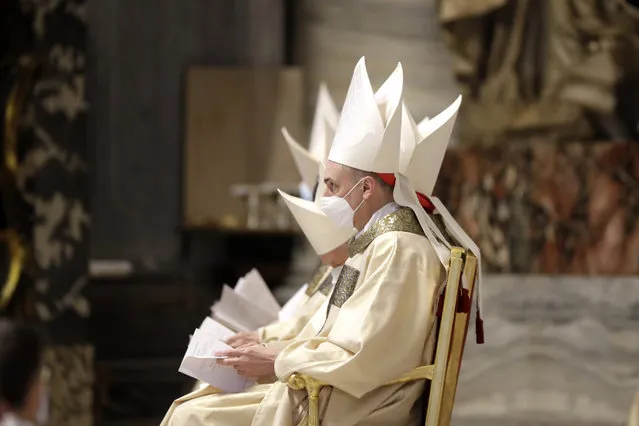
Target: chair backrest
x=453 y=328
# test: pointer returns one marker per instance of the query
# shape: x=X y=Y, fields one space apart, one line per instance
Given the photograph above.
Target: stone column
x=52 y=177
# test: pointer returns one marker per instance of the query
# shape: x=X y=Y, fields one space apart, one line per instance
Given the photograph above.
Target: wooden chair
x=444 y=371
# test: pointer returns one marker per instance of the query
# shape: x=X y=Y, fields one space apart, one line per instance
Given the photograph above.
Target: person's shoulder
x=398 y=242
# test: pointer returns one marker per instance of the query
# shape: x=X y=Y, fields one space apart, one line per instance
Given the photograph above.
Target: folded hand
x=250 y=360
x=243 y=338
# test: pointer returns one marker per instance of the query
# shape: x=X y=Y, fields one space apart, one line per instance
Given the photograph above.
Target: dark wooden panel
x=140 y=328
x=133 y=318
x=137 y=54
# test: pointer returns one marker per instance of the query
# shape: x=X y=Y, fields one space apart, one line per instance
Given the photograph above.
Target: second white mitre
x=325 y=121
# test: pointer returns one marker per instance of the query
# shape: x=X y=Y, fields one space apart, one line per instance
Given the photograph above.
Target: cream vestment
x=318 y=289
x=377 y=324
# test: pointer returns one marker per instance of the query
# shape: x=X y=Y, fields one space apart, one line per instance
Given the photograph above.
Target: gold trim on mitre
x=401 y=220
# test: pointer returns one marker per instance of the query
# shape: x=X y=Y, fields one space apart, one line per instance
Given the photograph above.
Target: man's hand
x=243 y=338
x=250 y=360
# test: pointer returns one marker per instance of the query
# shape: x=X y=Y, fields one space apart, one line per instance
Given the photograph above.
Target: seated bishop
x=328 y=241
x=379 y=321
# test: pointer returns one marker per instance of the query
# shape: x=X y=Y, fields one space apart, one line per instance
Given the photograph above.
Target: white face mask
x=338 y=209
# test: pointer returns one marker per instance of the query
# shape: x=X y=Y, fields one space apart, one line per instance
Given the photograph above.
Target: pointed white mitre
x=307 y=164
x=428 y=141
x=320 y=231
x=324 y=124
x=322 y=133
x=409 y=138
x=369 y=129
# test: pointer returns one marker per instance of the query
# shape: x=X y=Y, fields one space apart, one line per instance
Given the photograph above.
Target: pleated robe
x=318 y=289
x=377 y=325
x=279 y=334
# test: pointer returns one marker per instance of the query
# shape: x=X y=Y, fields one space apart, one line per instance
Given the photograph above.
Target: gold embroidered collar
x=401 y=220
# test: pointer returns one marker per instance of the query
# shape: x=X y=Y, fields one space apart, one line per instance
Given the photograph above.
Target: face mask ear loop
x=358 y=206
x=348 y=193
x=353 y=188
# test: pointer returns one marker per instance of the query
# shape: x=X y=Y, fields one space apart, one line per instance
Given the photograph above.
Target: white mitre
x=320 y=231
x=324 y=124
x=369 y=129
x=322 y=133
x=424 y=145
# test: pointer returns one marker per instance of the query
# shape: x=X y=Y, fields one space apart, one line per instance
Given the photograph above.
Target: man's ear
x=368 y=186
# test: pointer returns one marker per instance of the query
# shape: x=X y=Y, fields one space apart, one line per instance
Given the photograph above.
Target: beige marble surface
x=559 y=351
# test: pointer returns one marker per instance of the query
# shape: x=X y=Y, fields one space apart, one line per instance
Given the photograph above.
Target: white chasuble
x=377 y=325
x=318 y=289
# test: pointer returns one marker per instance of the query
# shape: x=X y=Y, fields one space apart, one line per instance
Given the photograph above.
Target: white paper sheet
x=239 y=313
x=210 y=326
x=200 y=361
x=228 y=320
x=253 y=287
x=290 y=308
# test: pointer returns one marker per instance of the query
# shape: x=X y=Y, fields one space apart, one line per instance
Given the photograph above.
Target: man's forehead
x=334 y=171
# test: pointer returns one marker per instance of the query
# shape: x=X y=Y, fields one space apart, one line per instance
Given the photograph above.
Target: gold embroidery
x=344 y=286
x=326 y=286
x=318 y=279
x=401 y=220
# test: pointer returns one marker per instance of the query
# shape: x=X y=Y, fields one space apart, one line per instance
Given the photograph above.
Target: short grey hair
x=358 y=174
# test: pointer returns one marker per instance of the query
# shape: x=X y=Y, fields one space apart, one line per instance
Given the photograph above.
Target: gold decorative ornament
x=15 y=105
x=16 y=264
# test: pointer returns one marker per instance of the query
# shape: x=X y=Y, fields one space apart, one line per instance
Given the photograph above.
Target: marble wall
x=556 y=208
x=559 y=351
x=561 y=338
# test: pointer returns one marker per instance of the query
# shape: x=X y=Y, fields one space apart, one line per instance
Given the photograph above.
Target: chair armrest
x=313 y=387
x=423 y=372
